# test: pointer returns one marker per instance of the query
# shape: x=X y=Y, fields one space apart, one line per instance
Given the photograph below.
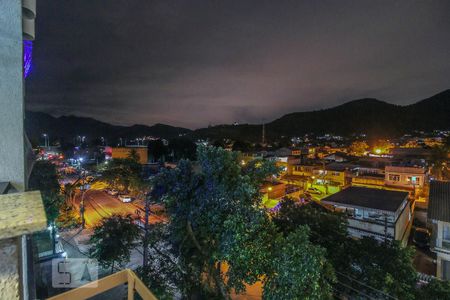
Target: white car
x=125 y=198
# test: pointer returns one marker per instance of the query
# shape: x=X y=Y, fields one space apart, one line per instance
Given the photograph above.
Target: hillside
x=370 y=116
x=68 y=127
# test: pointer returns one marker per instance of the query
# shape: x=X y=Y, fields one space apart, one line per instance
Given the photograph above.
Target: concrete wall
x=403 y=224
x=9 y=268
x=11 y=94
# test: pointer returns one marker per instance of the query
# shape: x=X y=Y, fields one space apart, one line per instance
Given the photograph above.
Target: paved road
x=99 y=204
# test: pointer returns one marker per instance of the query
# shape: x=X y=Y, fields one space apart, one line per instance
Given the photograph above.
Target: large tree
x=182 y=148
x=157 y=149
x=328 y=229
x=123 y=173
x=363 y=267
x=113 y=239
x=221 y=238
x=45 y=179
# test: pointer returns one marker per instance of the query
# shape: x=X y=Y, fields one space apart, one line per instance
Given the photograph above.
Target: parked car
x=125 y=198
x=313 y=190
x=421 y=237
x=112 y=192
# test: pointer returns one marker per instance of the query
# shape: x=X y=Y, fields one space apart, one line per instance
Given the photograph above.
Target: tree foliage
x=366 y=265
x=68 y=218
x=157 y=149
x=219 y=236
x=358 y=148
x=436 y=290
x=113 y=240
x=327 y=229
x=45 y=179
x=299 y=270
x=182 y=148
x=123 y=173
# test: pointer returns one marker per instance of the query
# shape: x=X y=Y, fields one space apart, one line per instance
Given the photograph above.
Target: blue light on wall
x=27 y=57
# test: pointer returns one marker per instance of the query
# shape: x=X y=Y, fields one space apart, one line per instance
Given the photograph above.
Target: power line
x=359 y=292
x=368 y=286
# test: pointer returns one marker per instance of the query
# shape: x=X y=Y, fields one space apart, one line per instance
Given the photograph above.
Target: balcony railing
x=107 y=283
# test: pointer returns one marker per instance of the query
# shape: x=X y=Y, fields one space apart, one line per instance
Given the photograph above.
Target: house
x=405 y=177
x=439 y=218
x=336 y=157
x=335 y=174
x=381 y=214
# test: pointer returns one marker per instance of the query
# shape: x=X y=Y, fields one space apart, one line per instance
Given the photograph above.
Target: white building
x=377 y=213
x=405 y=177
x=439 y=217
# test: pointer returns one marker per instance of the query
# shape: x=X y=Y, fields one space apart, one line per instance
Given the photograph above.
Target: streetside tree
x=44 y=178
x=123 y=173
x=68 y=217
x=157 y=150
x=219 y=236
x=113 y=239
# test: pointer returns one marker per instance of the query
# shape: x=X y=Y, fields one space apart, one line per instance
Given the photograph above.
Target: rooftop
x=439 y=203
x=368 y=198
x=405 y=169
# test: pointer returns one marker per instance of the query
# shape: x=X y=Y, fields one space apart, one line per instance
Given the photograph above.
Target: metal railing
x=107 y=283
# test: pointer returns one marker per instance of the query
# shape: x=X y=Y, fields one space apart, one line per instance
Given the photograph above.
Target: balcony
x=128 y=277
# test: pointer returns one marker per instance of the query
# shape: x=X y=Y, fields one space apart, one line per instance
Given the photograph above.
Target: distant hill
x=68 y=127
x=370 y=116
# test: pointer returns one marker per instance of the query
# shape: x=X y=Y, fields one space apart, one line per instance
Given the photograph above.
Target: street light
x=80 y=160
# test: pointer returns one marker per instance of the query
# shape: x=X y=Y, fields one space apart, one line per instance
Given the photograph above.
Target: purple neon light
x=27 y=57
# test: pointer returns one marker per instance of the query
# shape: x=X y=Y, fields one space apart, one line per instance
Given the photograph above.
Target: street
x=99 y=204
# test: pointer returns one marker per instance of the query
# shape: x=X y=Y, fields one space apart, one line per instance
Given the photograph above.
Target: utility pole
x=148 y=198
x=82 y=181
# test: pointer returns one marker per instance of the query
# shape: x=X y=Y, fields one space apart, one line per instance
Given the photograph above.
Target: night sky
x=194 y=63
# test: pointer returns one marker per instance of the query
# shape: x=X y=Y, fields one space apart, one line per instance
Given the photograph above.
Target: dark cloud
x=192 y=63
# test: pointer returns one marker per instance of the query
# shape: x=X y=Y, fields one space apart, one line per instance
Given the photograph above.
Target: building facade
x=439 y=219
x=381 y=214
x=405 y=177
